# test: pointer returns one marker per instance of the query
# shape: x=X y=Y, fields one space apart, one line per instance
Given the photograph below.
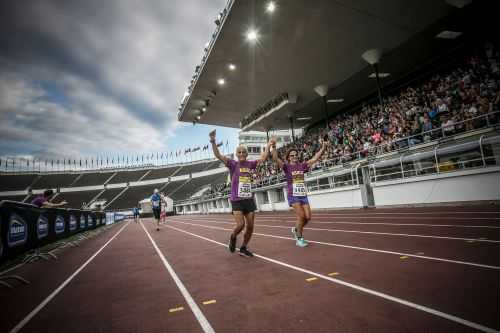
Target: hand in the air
x=212 y=135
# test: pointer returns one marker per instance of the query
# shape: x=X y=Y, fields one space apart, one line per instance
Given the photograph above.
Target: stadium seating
x=161 y=173
x=91 y=179
x=16 y=182
x=127 y=176
x=76 y=199
x=132 y=196
x=196 y=184
x=54 y=181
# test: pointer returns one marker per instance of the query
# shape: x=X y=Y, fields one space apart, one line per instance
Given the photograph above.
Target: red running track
x=391 y=270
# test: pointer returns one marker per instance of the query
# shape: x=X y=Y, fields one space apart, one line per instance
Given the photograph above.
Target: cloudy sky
x=87 y=78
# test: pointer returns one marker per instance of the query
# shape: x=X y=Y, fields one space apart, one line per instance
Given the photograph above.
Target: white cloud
x=119 y=69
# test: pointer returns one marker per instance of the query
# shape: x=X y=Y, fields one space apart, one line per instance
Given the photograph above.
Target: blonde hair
x=241 y=147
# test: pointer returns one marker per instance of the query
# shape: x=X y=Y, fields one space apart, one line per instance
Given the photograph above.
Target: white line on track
x=401 y=213
x=437 y=217
x=292 y=220
x=33 y=313
x=362 y=289
x=373 y=233
x=202 y=320
x=467 y=263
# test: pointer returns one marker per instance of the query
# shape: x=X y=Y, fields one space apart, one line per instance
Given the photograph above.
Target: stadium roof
x=303 y=44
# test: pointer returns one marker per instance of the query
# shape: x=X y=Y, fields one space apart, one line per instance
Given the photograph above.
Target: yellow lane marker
x=180 y=308
x=311 y=279
x=403 y=257
x=212 y=301
x=333 y=274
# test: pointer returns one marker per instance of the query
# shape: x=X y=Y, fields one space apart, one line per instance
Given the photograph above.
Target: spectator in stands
x=242 y=201
x=43 y=200
x=156 y=200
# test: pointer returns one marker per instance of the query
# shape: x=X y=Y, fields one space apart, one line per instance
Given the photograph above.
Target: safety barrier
x=25 y=227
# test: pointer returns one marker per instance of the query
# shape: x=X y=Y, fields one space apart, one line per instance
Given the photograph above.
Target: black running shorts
x=245 y=206
x=156 y=213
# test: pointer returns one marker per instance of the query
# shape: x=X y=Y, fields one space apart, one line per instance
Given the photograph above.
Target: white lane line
x=292 y=220
x=372 y=233
x=363 y=289
x=437 y=217
x=396 y=213
x=33 y=313
x=467 y=263
x=202 y=320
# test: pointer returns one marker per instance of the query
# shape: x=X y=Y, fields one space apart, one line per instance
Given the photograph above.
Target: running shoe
x=301 y=242
x=232 y=243
x=245 y=253
x=294 y=232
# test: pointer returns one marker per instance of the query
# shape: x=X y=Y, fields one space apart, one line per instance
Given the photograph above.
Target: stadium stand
x=192 y=168
x=91 y=179
x=196 y=184
x=108 y=194
x=162 y=173
x=127 y=176
x=132 y=196
x=54 y=181
x=77 y=199
x=13 y=197
x=16 y=182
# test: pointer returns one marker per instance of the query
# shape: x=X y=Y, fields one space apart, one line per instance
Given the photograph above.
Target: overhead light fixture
x=231 y=67
x=207 y=44
x=271 y=6
x=372 y=56
x=221 y=81
x=335 y=100
x=198 y=117
x=204 y=109
x=321 y=90
x=252 y=35
x=380 y=75
x=304 y=118
x=447 y=34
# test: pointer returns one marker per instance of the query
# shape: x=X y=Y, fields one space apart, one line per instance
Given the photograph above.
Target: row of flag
x=102 y=161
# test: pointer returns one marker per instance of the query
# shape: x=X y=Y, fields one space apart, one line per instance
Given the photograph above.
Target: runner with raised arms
x=297 y=195
x=242 y=202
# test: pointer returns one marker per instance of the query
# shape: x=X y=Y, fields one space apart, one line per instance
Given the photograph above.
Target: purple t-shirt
x=39 y=200
x=241 y=179
x=295 y=180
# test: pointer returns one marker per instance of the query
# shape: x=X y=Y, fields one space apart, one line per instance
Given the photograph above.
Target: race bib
x=156 y=204
x=298 y=189
x=244 y=187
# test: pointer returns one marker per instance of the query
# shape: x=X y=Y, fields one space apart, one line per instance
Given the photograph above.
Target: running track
x=384 y=270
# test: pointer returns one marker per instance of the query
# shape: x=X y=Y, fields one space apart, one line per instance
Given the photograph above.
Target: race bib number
x=299 y=189
x=244 y=187
x=156 y=204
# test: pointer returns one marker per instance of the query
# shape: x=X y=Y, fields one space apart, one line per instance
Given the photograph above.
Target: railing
x=481 y=153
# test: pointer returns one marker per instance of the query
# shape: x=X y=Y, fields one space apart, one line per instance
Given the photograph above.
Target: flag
x=45 y=163
x=196 y=149
x=52 y=163
x=80 y=162
x=227 y=142
x=220 y=144
x=57 y=162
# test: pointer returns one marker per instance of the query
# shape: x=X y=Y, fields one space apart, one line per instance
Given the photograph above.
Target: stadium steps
x=26 y=198
x=76 y=180
x=34 y=181
x=176 y=171
x=116 y=197
x=144 y=175
x=95 y=198
x=109 y=179
x=178 y=188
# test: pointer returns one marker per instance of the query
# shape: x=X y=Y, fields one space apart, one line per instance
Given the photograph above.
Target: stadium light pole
x=322 y=90
x=372 y=57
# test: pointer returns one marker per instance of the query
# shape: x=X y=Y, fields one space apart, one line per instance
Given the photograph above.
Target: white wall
x=472 y=185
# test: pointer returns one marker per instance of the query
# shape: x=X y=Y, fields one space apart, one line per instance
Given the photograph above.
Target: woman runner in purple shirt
x=242 y=201
x=297 y=197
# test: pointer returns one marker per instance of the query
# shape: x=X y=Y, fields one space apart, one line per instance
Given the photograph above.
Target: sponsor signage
x=59 y=224
x=42 y=227
x=1 y=244
x=72 y=222
x=91 y=221
x=83 y=222
x=18 y=231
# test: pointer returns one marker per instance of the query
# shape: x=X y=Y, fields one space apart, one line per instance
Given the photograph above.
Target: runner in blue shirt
x=156 y=200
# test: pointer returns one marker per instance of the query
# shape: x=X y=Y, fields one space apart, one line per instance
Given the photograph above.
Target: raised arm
x=215 y=149
x=275 y=156
x=317 y=156
x=265 y=153
x=48 y=204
